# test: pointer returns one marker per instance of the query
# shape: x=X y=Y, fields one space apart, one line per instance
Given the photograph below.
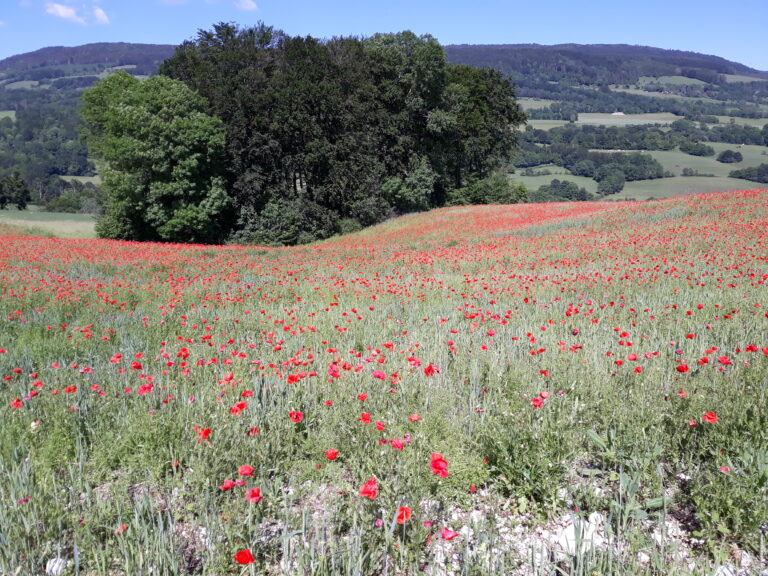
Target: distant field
x=534 y=103
x=673 y=80
x=95 y=180
x=663 y=95
x=534 y=182
x=679 y=186
x=756 y=122
x=546 y=124
x=627 y=119
x=36 y=223
x=609 y=120
x=22 y=84
x=675 y=161
x=734 y=78
x=8 y=114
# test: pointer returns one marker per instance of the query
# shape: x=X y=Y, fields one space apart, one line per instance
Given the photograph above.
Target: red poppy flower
x=244 y=557
x=365 y=418
x=245 y=470
x=17 y=403
x=403 y=514
x=253 y=495
x=296 y=417
x=331 y=454
x=448 y=534
x=537 y=402
x=370 y=489
x=710 y=418
x=438 y=465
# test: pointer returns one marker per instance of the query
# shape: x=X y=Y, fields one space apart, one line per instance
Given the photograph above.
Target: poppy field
x=440 y=394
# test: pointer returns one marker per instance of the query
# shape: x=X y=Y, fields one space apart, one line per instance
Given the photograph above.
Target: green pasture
x=676 y=161
x=534 y=103
x=546 y=124
x=680 y=186
x=671 y=80
x=22 y=85
x=652 y=94
x=34 y=222
x=756 y=122
x=602 y=119
x=95 y=180
x=8 y=114
x=736 y=78
x=534 y=182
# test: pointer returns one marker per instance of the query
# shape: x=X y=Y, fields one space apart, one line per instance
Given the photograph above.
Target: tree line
x=682 y=133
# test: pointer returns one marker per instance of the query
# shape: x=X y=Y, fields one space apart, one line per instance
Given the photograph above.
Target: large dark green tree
x=13 y=190
x=162 y=160
x=325 y=136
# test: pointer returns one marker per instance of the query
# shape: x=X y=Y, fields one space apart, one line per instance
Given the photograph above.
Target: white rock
x=577 y=536
x=55 y=566
x=643 y=558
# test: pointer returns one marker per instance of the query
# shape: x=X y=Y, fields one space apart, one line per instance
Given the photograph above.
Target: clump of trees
x=561 y=191
x=697 y=149
x=13 y=190
x=753 y=173
x=730 y=157
x=295 y=139
x=163 y=173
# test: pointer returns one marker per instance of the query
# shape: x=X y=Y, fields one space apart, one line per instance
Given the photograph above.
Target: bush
x=696 y=149
x=729 y=157
x=497 y=189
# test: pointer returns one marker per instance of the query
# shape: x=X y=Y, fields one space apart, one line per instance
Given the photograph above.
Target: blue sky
x=733 y=30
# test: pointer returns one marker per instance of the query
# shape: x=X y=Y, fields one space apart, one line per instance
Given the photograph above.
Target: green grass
x=671 y=80
x=734 y=78
x=8 y=114
x=676 y=161
x=34 y=222
x=95 y=180
x=679 y=186
x=756 y=122
x=546 y=124
x=534 y=103
x=534 y=182
x=609 y=120
x=653 y=94
x=22 y=84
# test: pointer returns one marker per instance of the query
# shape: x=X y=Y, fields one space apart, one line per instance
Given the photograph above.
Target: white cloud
x=63 y=12
x=248 y=5
x=100 y=15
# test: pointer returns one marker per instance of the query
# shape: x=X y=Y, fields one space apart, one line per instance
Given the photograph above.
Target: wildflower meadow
x=525 y=389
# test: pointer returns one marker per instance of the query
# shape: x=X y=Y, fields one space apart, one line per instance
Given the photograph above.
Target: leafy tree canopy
x=163 y=160
x=327 y=136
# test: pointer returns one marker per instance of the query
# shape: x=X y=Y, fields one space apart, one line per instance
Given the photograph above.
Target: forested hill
x=58 y=61
x=602 y=64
